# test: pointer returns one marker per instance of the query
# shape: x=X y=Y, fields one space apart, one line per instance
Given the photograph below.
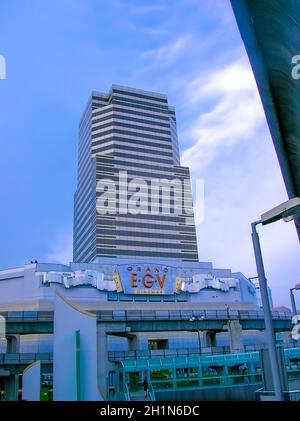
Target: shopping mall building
x=136 y=303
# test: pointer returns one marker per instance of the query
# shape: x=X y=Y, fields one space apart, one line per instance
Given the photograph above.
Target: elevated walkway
x=26 y=322
x=196 y=372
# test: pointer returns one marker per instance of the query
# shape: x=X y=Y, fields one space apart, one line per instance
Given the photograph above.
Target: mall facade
x=136 y=304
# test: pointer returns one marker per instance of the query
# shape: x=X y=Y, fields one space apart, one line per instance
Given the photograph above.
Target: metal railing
x=136 y=354
x=28 y=316
x=121 y=394
x=126 y=391
x=187 y=315
x=151 y=392
x=26 y=358
x=116 y=356
x=269 y=395
x=131 y=315
x=207 y=380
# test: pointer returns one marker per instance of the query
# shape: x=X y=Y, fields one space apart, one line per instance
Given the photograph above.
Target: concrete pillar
x=2 y=333
x=132 y=343
x=209 y=339
x=235 y=336
x=11 y=387
x=13 y=344
x=75 y=356
x=104 y=365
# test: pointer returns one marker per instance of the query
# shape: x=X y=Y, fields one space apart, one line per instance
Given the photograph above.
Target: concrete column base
x=11 y=387
x=235 y=336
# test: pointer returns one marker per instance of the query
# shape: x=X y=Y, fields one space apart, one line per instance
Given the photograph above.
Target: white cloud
x=233 y=78
x=235 y=116
x=233 y=152
x=62 y=250
x=152 y=30
x=247 y=183
x=166 y=54
x=144 y=10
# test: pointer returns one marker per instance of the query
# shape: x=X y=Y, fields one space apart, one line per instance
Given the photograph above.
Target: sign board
x=147 y=279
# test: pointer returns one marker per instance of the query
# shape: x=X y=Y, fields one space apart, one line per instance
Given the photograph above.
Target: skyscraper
x=133 y=198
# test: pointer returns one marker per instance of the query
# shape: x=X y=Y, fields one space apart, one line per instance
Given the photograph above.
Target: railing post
x=225 y=374
x=174 y=378
x=252 y=376
x=200 y=375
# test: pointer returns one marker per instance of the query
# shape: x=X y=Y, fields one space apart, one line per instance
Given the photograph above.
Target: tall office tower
x=133 y=198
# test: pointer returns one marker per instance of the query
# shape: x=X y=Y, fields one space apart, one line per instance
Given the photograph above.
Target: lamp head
x=287 y=211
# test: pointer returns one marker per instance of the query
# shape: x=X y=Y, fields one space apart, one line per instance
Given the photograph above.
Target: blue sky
x=58 y=51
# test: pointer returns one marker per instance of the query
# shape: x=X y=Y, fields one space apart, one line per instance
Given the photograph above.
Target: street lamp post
x=199 y=341
x=267 y=313
x=193 y=319
x=287 y=211
x=294 y=309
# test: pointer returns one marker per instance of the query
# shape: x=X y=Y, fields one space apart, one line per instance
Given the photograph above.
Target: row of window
x=181 y=168
x=85 y=256
x=154 y=206
x=81 y=225
x=132 y=119
x=131 y=126
x=83 y=218
x=84 y=205
x=84 y=156
x=128 y=133
x=136 y=243
x=85 y=198
x=133 y=149
x=90 y=257
x=85 y=166
x=179 y=219
x=85 y=180
x=115 y=296
x=185 y=174
x=137 y=95
x=130 y=253
x=145 y=211
x=88 y=238
x=99 y=98
x=131 y=112
x=141 y=107
x=158 y=196
x=109 y=222
x=89 y=227
x=85 y=189
x=143 y=158
x=84 y=135
x=84 y=152
x=164 y=145
x=146 y=234
x=145 y=174
x=159 y=218
x=141 y=164
x=158 y=107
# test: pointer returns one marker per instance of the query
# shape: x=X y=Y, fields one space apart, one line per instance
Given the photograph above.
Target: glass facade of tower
x=128 y=152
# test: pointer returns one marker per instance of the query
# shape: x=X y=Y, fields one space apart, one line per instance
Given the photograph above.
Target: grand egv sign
x=147 y=279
